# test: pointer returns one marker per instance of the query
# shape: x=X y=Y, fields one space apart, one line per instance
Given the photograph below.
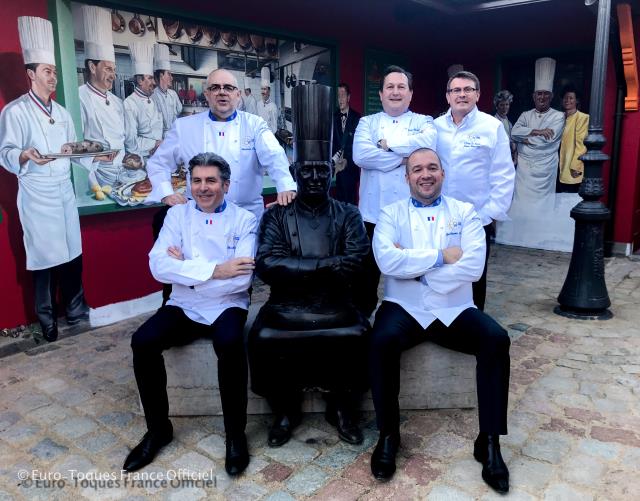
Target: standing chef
x=142 y=120
x=102 y=111
x=30 y=127
x=242 y=139
x=165 y=98
x=266 y=108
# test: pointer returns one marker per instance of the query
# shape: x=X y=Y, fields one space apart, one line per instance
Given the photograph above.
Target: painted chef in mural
x=31 y=127
x=102 y=111
x=165 y=98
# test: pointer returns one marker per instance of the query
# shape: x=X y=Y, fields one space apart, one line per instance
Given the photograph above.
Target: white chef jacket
x=46 y=200
x=382 y=179
x=269 y=113
x=143 y=124
x=537 y=160
x=169 y=106
x=104 y=123
x=250 y=104
x=205 y=239
x=477 y=162
x=245 y=142
x=445 y=291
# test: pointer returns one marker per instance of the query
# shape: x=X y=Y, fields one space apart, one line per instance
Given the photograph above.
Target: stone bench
x=431 y=377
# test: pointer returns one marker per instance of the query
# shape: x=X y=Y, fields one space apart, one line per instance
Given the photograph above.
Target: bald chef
x=102 y=111
x=30 y=127
x=242 y=139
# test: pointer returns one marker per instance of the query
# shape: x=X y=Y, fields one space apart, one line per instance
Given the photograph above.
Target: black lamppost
x=584 y=293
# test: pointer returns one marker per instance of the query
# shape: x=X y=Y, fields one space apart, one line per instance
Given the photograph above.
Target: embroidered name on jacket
x=472 y=141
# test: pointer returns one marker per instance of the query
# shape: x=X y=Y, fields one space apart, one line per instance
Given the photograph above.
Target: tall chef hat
x=247 y=83
x=98 y=41
x=545 y=70
x=161 y=58
x=141 y=57
x=36 y=40
x=265 y=77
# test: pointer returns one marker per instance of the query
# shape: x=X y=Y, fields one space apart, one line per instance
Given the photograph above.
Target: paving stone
x=29 y=401
x=75 y=427
x=276 y=472
x=186 y=494
x=292 y=453
x=307 y=481
x=336 y=457
x=20 y=433
x=7 y=419
x=565 y=492
x=605 y=450
x=117 y=420
x=360 y=471
x=280 y=496
x=97 y=443
x=547 y=446
x=605 y=434
x=445 y=445
x=49 y=414
x=5 y=496
x=465 y=472
x=513 y=496
x=447 y=493
x=519 y=326
x=339 y=490
x=245 y=492
x=74 y=463
x=423 y=470
x=213 y=445
x=72 y=397
x=529 y=474
x=47 y=449
x=194 y=462
x=584 y=470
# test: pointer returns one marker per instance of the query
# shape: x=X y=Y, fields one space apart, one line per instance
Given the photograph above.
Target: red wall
x=116 y=245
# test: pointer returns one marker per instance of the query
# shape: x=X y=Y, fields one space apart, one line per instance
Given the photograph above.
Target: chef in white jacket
x=166 y=99
x=142 y=120
x=431 y=248
x=381 y=145
x=244 y=140
x=30 y=127
x=206 y=250
x=102 y=111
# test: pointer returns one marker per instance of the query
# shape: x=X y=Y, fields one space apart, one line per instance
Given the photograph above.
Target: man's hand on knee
x=234 y=268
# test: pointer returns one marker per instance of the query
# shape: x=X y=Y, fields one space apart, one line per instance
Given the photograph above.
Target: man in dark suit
x=344 y=127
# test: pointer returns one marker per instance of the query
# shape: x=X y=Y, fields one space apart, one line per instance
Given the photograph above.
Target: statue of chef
x=102 y=111
x=31 y=127
x=142 y=120
x=166 y=99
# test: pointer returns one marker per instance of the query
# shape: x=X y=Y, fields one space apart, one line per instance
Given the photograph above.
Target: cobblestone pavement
x=71 y=408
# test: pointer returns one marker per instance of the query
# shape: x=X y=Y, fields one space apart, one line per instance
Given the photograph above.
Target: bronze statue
x=309 y=335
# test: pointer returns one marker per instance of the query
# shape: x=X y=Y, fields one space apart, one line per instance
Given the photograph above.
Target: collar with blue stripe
x=141 y=94
x=213 y=118
x=218 y=210
x=418 y=204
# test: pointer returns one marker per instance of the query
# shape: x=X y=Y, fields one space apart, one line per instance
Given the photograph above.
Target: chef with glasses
x=242 y=139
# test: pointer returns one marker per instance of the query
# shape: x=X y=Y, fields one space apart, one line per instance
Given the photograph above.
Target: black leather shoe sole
x=50 y=333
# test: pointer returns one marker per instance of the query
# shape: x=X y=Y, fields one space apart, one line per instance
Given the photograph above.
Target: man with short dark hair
x=476 y=155
x=267 y=109
x=431 y=248
x=381 y=145
x=205 y=249
x=345 y=122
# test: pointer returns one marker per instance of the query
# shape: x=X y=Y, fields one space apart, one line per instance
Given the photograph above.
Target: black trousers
x=471 y=332
x=480 y=287
x=156 y=225
x=66 y=276
x=171 y=327
x=365 y=292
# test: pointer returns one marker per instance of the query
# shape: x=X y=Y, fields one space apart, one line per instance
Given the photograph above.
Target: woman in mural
x=572 y=145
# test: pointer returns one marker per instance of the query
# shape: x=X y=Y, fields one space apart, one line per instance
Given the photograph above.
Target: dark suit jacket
x=347 y=180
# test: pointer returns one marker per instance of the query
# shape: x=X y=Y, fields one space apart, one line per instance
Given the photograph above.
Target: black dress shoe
x=280 y=431
x=50 y=332
x=143 y=453
x=78 y=316
x=347 y=428
x=495 y=473
x=237 y=458
x=383 y=459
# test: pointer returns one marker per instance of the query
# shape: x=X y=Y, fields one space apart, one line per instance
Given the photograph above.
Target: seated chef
x=205 y=249
x=431 y=248
x=309 y=335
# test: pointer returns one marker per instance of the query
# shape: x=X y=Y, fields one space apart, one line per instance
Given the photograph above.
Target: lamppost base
x=583 y=314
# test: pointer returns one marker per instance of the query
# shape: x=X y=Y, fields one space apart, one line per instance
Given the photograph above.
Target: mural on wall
x=137 y=73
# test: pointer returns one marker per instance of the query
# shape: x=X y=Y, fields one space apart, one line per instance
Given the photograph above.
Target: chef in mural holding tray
x=32 y=127
x=102 y=111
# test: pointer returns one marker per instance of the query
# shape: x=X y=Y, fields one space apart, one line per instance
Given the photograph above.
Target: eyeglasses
x=458 y=90
x=215 y=88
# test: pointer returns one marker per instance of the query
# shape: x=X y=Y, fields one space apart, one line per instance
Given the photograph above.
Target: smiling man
x=476 y=156
x=431 y=248
x=381 y=145
x=205 y=249
x=243 y=139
